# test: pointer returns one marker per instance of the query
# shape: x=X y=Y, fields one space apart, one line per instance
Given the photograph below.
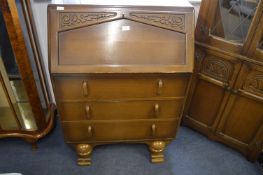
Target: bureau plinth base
x=84 y=154
x=157 y=150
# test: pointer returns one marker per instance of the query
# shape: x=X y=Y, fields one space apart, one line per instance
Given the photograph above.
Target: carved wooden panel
x=77 y=19
x=254 y=83
x=217 y=68
x=170 y=21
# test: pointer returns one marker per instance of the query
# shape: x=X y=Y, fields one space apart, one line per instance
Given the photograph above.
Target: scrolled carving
x=254 y=83
x=171 y=21
x=75 y=19
x=217 y=68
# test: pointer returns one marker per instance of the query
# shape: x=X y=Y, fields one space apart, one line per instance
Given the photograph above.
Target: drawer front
x=120 y=110
x=116 y=87
x=82 y=131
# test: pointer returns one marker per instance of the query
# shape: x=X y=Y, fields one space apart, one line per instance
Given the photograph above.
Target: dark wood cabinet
x=225 y=98
x=216 y=75
x=242 y=121
x=229 y=109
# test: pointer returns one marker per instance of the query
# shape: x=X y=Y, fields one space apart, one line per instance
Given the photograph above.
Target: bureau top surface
x=171 y=3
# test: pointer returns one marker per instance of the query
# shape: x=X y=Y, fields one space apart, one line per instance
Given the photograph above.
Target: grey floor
x=190 y=154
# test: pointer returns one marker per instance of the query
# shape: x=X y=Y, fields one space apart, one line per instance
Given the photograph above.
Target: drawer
x=122 y=110
x=119 y=86
x=82 y=131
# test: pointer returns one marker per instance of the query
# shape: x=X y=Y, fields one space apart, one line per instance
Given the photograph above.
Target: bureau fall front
x=120 y=73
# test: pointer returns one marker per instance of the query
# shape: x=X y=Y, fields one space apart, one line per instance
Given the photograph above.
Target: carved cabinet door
x=215 y=75
x=242 y=120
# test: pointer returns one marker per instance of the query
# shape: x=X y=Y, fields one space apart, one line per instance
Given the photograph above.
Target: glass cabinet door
x=228 y=24
x=13 y=87
x=233 y=18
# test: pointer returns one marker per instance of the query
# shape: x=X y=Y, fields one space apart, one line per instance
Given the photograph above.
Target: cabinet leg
x=84 y=154
x=33 y=143
x=157 y=149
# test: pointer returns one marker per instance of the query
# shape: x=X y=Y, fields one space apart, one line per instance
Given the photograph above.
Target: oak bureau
x=120 y=72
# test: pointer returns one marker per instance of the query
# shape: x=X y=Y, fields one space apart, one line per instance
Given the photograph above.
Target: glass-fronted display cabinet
x=228 y=75
x=25 y=107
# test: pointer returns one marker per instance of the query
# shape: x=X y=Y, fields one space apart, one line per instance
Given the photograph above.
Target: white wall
x=39 y=8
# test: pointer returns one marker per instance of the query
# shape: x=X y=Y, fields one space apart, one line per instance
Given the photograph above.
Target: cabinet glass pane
x=13 y=82
x=36 y=73
x=232 y=19
x=7 y=115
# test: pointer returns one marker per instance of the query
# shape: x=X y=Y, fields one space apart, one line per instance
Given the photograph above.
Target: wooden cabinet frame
x=242 y=90
x=18 y=44
x=252 y=49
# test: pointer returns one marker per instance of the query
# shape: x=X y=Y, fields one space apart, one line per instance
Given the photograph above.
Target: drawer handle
x=85 y=88
x=160 y=87
x=87 y=108
x=157 y=110
x=90 y=131
x=153 y=130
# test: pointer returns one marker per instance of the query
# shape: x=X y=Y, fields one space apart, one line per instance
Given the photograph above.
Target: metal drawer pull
x=157 y=110
x=160 y=87
x=90 y=131
x=87 y=111
x=85 y=88
x=153 y=130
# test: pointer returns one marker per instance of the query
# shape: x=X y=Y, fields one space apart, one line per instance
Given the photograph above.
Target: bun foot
x=84 y=154
x=157 y=149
